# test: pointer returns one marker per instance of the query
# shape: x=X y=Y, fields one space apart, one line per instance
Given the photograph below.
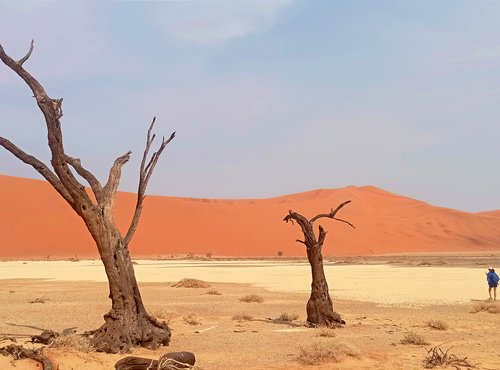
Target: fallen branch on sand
x=19 y=352
x=169 y=361
x=437 y=357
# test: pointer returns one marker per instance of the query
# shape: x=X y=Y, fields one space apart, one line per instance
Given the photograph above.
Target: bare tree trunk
x=127 y=323
x=320 y=306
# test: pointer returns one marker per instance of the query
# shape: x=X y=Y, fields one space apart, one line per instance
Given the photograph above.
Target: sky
x=266 y=97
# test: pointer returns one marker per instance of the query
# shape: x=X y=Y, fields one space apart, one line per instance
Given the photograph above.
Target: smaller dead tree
x=320 y=306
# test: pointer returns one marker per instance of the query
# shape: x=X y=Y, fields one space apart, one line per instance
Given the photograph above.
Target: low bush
x=437 y=325
x=192 y=319
x=319 y=352
x=413 y=338
x=285 y=316
x=243 y=317
x=191 y=283
x=249 y=298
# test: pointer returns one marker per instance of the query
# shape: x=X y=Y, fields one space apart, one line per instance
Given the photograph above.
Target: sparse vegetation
x=191 y=319
x=164 y=315
x=242 y=317
x=414 y=338
x=214 y=291
x=326 y=351
x=72 y=341
x=327 y=333
x=280 y=254
x=250 y=298
x=487 y=306
x=191 y=283
x=209 y=254
x=39 y=300
x=437 y=324
x=436 y=357
x=285 y=316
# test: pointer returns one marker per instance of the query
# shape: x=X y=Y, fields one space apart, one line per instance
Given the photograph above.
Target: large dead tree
x=320 y=306
x=127 y=323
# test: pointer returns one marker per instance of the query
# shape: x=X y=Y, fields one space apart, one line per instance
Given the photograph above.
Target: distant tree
x=280 y=254
x=320 y=306
x=127 y=323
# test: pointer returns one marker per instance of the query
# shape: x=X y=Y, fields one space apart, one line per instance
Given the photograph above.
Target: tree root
x=119 y=335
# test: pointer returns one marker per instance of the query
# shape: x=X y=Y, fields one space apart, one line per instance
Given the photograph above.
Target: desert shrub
x=488 y=306
x=214 y=291
x=325 y=351
x=191 y=319
x=413 y=338
x=164 y=315
x=72 y=341
x=327 y=333
x=249 y=298
x=39 y=300
x=242 y=317
x=285 y=316
x=437 y=324
x=191 y=283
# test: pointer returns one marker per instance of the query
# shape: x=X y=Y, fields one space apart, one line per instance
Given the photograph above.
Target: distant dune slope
x=36 y=222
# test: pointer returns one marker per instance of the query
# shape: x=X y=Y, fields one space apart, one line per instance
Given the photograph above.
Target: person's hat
x=490 y=268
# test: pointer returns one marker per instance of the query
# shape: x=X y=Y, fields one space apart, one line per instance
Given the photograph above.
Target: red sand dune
x=36 y=222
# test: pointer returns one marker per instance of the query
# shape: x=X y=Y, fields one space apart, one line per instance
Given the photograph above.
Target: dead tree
x=320 y=306
x=127 y=323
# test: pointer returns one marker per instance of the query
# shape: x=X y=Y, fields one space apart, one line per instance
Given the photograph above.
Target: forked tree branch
x=307 y=225
x=332 y=214
x=95 y=185
x=52 y=111
x=146 y=170
x=40 y=167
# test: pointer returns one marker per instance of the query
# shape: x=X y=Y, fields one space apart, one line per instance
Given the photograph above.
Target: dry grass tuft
x=414 y=338
x=285 y=316
x=327 y=333
x=191 y=319
x=214 y=291
x=39 y=300
x=191 y=283
x=437 y=324
x=72 y=341
x=326 y=351
x=250 y=298
x=164 y=315
x=437 y=357
x=242 y=317
x=487 y=306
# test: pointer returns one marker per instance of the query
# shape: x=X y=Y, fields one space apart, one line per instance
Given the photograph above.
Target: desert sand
x=376 y=322
x=35 y=222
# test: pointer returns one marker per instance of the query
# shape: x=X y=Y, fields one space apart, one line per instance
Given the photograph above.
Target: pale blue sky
x=268 y=97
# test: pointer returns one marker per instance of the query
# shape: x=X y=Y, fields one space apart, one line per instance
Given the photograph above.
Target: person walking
x=492 y=278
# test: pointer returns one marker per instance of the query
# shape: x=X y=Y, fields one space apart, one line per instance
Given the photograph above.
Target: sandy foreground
x=380 y=303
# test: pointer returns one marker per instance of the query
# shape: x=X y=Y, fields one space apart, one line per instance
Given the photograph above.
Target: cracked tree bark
x=320 y=306
x=127 y=323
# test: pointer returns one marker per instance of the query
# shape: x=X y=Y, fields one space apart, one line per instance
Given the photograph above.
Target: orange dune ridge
x=36 y=222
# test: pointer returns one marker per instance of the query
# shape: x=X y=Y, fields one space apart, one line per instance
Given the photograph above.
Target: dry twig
x=437 y=357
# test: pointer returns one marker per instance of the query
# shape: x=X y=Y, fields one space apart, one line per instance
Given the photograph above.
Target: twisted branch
x=146 y=170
